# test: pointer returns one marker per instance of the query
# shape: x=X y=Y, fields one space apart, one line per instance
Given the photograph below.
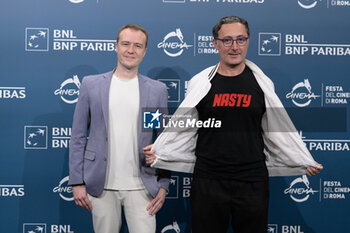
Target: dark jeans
x=214 y=201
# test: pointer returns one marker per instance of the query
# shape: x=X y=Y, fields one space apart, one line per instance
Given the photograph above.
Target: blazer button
x=106 y=139
x=105 y=158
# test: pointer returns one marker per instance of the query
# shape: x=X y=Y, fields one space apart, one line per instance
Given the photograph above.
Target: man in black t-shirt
x=230 y=177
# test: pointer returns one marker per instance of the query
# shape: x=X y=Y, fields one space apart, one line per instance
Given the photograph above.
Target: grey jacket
x=88 y=150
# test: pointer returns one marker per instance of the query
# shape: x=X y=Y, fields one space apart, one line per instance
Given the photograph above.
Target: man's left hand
x=310 y=171
x=157 y=203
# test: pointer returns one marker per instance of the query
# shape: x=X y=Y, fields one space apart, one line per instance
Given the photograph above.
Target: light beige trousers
x=107 y=211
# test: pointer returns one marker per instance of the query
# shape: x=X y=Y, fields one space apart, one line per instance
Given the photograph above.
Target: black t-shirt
x=234 y=151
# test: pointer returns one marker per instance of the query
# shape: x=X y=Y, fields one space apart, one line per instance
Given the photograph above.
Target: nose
x=234 y=45
x=131 y=49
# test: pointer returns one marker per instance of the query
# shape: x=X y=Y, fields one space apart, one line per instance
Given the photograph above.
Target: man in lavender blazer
x=92 y=159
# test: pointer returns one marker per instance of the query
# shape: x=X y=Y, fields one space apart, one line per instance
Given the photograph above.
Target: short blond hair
x=133 y=27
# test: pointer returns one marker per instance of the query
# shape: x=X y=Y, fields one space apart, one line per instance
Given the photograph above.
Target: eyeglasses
x=228 y=42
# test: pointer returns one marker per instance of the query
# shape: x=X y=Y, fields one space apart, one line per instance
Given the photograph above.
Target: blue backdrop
x=46 y=47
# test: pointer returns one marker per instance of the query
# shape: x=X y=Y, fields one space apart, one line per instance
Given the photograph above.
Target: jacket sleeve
x=175 y=148
x=286 y=153
x=81 y=122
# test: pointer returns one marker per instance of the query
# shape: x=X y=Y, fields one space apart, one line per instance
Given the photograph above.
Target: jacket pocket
x=90 y=155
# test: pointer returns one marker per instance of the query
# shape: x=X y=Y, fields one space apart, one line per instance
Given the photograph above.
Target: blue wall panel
x=47 y=47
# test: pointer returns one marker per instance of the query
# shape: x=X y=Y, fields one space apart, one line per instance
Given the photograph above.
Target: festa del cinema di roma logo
x=69 y=90
x=307 y=4
x=301 y=94
x=173 y=43
x=171 y=228
x=299 y=189
x=64 y=190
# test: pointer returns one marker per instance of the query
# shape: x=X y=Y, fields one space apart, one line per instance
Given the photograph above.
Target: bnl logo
x=34 y=228
x=269 y=44
x=152 y=120
x=272 y=228
x=35 y=137
x=37 y=39
x=173 y=188
x=173 y=87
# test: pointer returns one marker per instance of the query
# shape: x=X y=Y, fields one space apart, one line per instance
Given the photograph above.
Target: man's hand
x=150 y=156
x=80 y=197
x=157 y=203
x=310 y=171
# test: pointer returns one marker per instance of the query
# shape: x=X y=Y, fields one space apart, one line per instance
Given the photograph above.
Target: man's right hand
x=150 y=156
x=80 y=197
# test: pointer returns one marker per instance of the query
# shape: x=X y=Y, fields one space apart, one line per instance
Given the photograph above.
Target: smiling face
x=131 y=48
x=232 y=57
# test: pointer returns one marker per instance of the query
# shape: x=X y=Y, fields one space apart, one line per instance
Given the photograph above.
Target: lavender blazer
x=88 y=150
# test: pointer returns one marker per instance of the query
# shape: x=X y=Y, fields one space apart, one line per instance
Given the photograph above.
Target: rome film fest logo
x=298 y=95
x=299 y=189
x=173 y=44
x=69 y=90
x=79 y=1
x=307 y=4
x=171 y=228
x=64 y=190
x=76 y=1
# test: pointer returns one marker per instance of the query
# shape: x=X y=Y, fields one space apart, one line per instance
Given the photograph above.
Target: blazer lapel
x=105 y=85
x=144 y=90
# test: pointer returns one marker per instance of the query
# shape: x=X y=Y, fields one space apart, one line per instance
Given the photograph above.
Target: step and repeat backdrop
x=47 y=47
